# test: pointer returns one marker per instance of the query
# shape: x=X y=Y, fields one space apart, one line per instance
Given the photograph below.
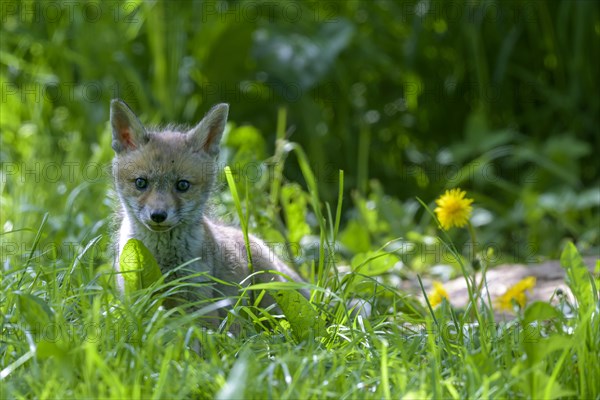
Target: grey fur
x=162 y=159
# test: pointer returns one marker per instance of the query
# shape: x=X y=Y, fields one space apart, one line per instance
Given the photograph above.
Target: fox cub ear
x=206 y=136
x=127 y=130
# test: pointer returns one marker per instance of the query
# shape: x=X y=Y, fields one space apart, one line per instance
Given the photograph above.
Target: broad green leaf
x=51 y=348
x=538 y=347
x=249 y=147
x=35 y=311
x=538 y=389
x=138 y=266
x=294 y=202
x=540 y=311
x=578 y=278
x=58 y=350
x=355 y=237
x=537 y=382
x=373 y=263
x=303 y=318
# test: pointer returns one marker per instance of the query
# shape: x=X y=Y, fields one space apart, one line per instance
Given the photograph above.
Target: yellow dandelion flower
x=453 y=209
x=438 y=294
x=516 y=293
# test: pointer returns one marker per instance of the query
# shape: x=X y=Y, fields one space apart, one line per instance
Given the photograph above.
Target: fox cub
x=163 y=179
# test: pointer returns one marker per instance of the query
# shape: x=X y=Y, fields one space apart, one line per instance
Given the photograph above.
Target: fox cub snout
x=163 y=179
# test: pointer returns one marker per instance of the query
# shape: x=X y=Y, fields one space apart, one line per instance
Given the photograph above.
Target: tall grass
x=67 y=334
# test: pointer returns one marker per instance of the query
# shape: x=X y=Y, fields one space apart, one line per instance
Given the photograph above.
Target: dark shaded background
x=408 y=98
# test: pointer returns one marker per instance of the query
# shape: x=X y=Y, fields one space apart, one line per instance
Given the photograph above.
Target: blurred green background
x=408 y=98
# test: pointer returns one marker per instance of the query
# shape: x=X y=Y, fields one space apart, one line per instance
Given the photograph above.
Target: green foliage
x=540 y=311
x=294 y=201
x=34 y=310
x=63 y=334
x=304 y=320
x=406 y=98
x=496 y=98
x=566 y=338
x=578 y=279
x=137 y=266
x=373 y=263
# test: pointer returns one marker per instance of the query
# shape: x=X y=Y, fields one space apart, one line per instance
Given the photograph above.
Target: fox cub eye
x=182 y=185
x=141 y=183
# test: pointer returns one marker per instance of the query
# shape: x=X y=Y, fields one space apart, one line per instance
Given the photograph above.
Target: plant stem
x=473 y=253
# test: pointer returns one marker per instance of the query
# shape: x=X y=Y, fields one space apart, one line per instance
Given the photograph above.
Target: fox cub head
x=163 y=178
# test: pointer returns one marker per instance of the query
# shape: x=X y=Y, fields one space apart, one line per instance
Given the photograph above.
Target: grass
x=67 y=334
x=509 y=116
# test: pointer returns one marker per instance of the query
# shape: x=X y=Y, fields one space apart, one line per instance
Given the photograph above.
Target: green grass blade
x=243 y=218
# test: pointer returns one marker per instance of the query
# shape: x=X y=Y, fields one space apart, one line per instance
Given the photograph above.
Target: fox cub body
x=163 y=179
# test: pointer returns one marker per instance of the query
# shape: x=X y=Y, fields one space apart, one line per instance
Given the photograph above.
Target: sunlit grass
x=66 y=333
x=503 y=105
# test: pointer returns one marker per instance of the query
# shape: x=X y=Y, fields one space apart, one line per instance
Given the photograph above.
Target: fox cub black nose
x=158 y=216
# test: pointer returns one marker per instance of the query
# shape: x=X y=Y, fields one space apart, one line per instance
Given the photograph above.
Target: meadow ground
x=66 y=333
